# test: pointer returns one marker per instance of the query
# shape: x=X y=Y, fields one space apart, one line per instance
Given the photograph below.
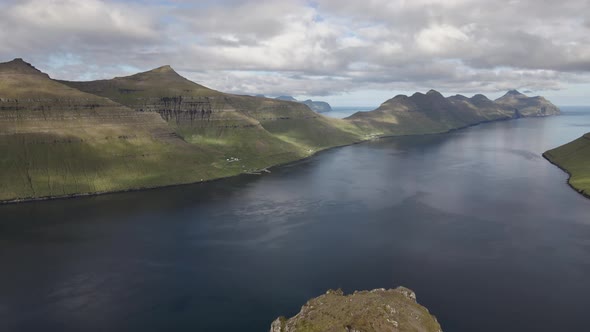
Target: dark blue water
x=476 y=222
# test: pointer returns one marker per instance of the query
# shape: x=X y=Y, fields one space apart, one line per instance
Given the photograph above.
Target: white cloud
x=309 y=48
x=440 y=39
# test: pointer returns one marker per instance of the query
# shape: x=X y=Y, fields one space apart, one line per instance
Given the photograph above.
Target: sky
x=346 y=52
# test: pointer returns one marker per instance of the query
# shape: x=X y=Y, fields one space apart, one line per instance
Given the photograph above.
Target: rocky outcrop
x=366 y=311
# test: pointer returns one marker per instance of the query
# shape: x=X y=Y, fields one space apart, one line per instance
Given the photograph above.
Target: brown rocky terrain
x=378 y=310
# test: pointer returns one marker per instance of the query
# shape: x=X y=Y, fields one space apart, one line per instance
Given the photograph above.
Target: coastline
x=579 y=191
x=90 y=194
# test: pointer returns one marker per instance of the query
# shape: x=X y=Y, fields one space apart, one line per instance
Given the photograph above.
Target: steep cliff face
x=524 y=106
x=367 y=311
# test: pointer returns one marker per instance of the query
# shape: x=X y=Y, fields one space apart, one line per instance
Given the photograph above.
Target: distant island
x=378 y=310
x=574 y=158
x=157 y=128
x=316 y=106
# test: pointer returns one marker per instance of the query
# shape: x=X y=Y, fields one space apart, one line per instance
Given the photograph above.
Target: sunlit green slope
x=574 y=158
x=56 y=141
x=260 y=130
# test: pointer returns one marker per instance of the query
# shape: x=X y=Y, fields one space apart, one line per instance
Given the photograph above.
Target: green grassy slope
x=57 y=141
x=574 y=157
x=264 y=131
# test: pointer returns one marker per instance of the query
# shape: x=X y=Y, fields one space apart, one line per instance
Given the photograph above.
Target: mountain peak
x=434 y=94
x=513 y=92
x=18 y=65
x=156 y=73
x=479 y=96
x=164 y=69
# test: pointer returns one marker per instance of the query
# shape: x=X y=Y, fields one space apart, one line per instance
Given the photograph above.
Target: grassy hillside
x=262 y=130
x=574 y=158
x=56 y=141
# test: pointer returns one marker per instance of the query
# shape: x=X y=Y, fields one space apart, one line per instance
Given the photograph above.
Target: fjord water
x=485 y=231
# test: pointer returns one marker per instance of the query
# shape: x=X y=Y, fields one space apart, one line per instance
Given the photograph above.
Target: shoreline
x=101 y=193
x=579 y=191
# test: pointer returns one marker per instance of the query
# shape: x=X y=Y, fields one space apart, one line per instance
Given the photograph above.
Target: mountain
x=258 y=131
x=378 y=310
x=157 y=128
x=524 y=106
x=316 y=106
x=574 y=158
x=57 y=141
x=152 y=129
x=428 y=113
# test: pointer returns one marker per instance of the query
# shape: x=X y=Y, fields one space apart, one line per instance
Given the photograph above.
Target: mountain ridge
x=156 y=128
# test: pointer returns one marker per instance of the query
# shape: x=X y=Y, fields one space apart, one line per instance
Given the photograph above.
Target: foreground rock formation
x=367 y=311
x=574 y=158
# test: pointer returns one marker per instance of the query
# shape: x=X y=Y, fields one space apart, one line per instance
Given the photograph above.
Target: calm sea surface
x=476 y=222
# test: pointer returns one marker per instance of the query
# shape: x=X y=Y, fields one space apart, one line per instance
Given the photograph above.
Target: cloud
x=440 y=39
x=317 y=48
